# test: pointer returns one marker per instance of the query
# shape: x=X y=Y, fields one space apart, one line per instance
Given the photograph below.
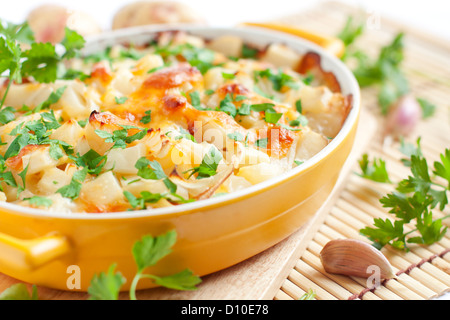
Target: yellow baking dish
x=39 y=247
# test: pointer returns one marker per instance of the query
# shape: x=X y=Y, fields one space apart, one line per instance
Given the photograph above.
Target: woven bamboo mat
x=423 y=273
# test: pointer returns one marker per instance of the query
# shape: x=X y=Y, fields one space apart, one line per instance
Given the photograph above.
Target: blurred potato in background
x=48 y=23
x=155 y=12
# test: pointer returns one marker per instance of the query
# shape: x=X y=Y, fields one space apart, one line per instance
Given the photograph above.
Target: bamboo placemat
x=423 y=273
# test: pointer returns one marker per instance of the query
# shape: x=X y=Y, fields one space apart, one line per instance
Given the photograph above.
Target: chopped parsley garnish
x=240 y=98
x=308 y=79
x=39 y=201
x=83 y=123
x=262 y=143
x=141 y=202
x=36 y=132
x=209 y=165
x=244 y=110
x=298 y=162
x=263 y=107
x=7 y=115
x=91 y=160
x=300 y=121
x=248 y=52
x=201 y=58
x=298 y=106
x=228 y=76
x=72 y=190
x=147 y=118
x=152 y=170
x=279 y=80
x=272 y=117
x=130 y=53
x=195 y=100
x=104 y=55
x=227 y=106
x=120 y=138
x=185 y=135
x=120 y=100
x=236 y=136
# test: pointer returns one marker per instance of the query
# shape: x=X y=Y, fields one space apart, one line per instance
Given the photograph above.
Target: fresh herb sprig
x=385 y=71
x=310 y=295
x=41 y=61
x=19 y=291
x=146 y=253
x=412 y=202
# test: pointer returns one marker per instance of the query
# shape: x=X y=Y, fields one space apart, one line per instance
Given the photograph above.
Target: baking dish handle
x=31 y=254
x=331 y=44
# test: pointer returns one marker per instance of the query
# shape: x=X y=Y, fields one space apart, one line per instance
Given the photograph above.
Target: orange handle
x=331 y=44
x=31 y=254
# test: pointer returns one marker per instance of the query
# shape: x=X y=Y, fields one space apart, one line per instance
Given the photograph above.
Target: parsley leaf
x=106 y=286
x=91 y=160
x=72 y=42
x=428 y=109
x=39 y=201
x=279 y=80
x=227 y=106
x=412 y=202
x=262 y=143
x=248 y=52
x=41 y=60
x=349 y=34
x=152 y=170
x=442 y=169
x=236 y=136
x=195 y=100
x=184 y=280
x=272 y=117
x=150 y=250
x=147 y=118
x=19 y=291
x=209 y=165
x=120 y=100
x=310 y=295
x=7 y=115
x=120 y=138
x=376 y=172
x=72 y=190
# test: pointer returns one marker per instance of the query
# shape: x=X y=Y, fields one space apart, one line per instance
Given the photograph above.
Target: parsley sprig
x=385 y=71
x=147 y=252
x=41 y=61
x=19 y=291
x=413 y=200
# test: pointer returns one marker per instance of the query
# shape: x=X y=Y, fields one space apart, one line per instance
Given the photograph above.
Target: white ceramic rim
x=329 y=63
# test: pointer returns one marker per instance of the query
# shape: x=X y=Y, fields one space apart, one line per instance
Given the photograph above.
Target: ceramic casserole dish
x=37 y=246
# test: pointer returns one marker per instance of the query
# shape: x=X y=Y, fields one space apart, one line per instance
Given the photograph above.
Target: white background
x=431 y=16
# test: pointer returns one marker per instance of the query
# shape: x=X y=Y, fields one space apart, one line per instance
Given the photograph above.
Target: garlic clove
x=403 y=117
x=354 y=258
